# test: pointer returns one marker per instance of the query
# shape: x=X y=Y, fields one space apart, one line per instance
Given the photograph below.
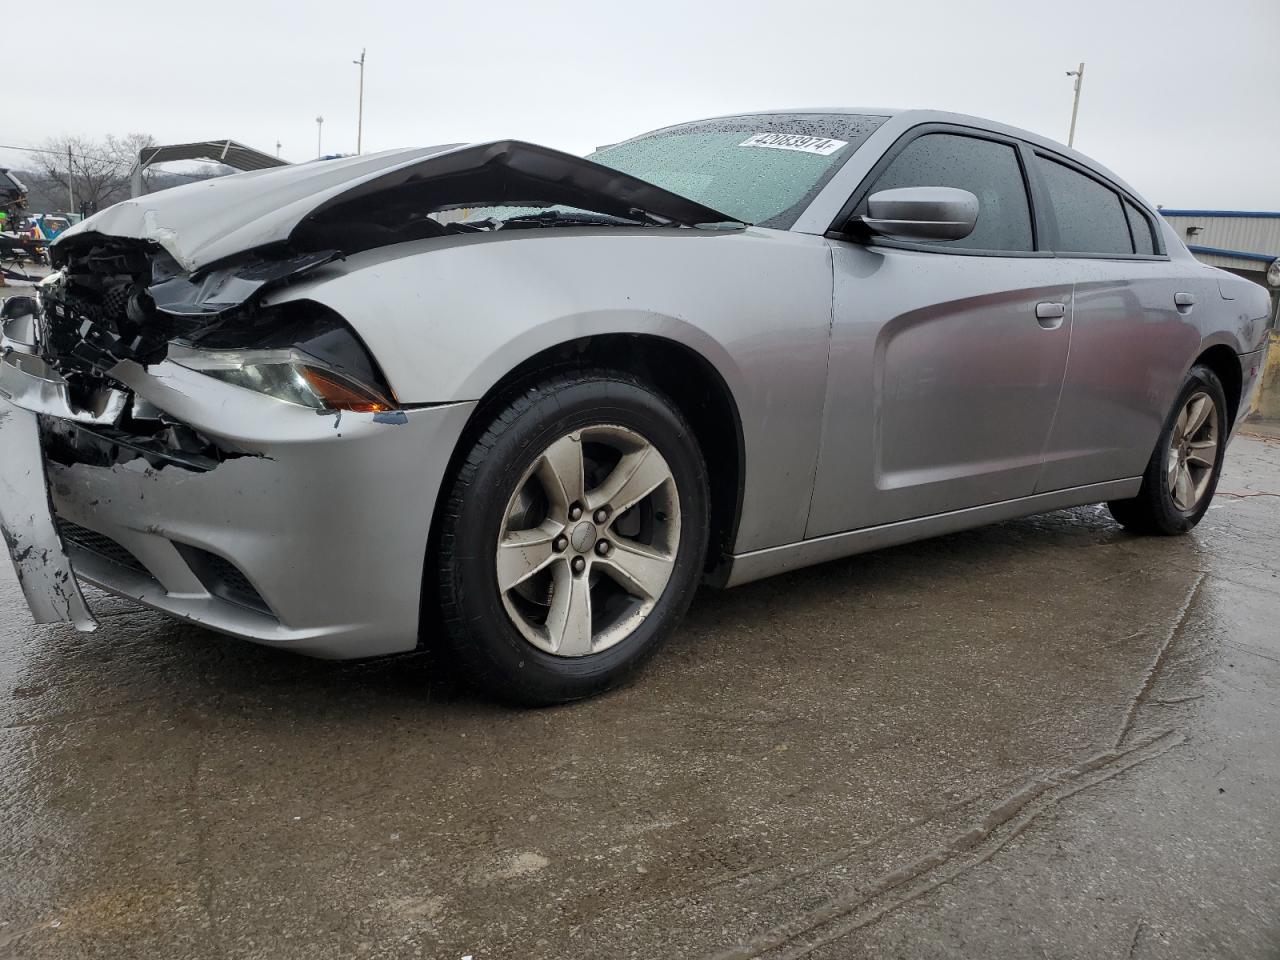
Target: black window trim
x=1044 y=226
x=838 y=229
x=1034 y=151
x=1126 y=203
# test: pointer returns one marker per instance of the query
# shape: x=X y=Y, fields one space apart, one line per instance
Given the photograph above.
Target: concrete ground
x=1258 y=429
x=1046 y=738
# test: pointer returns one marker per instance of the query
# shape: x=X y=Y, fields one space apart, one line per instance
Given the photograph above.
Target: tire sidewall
x=1200 y=378
x=542 y=676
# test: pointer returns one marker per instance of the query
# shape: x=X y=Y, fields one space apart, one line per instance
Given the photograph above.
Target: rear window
x=1140 y=227
x=763 y=169
x=1090 y=216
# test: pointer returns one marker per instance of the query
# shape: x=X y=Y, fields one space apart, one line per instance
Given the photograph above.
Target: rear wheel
x=573 y=537
x=1183 y=472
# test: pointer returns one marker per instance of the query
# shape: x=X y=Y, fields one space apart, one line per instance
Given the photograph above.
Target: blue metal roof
x=1239 y=214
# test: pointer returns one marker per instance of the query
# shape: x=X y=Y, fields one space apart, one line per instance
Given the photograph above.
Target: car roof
x=903 y=119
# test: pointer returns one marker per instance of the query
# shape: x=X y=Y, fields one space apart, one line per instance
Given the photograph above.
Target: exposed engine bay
x=116 y=301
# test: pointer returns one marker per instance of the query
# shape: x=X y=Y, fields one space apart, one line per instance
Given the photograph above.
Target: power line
x=56 y=153
x=81 y=156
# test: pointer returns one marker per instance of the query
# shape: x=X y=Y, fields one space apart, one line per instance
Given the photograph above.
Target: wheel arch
x=1225 y=363
x=688 y=377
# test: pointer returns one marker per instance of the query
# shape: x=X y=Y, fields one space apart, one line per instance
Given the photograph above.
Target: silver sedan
x=528 y=402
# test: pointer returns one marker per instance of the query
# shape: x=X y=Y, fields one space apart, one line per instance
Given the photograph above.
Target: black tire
x=1153 y=511
x=488 y=646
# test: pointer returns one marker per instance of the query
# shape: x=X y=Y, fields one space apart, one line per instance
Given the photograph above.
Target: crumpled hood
x=199 y=223
x=204 y=222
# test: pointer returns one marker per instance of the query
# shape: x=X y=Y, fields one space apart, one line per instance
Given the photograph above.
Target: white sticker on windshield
x=822 y=146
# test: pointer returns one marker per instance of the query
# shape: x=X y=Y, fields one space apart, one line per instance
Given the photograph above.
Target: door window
x=1090 y=216
x=987 y=169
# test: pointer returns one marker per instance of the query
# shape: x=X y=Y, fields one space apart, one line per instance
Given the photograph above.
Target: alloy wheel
x=1193 y=451
x=588 y=541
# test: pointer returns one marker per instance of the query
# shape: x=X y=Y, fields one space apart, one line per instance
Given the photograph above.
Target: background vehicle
x=46 y=227
x=719 y=351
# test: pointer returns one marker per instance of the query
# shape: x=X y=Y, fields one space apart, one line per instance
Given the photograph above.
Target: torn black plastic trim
x=155 y=450
x=215 y=291
x=170 y=444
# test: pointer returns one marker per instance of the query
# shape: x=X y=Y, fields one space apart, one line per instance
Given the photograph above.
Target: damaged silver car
x=528 y=402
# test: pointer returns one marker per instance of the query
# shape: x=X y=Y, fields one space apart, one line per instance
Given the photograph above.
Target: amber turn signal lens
x=342 y=394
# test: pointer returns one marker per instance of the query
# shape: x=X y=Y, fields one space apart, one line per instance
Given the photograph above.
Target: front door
x=947 y=359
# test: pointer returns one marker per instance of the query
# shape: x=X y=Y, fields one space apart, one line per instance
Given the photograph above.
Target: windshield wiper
x=562 y=218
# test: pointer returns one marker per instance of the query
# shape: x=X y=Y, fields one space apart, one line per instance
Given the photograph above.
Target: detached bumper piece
x=26 y=517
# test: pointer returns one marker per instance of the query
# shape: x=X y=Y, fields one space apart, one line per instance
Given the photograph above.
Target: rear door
x=1133 y=327
x=947 y=358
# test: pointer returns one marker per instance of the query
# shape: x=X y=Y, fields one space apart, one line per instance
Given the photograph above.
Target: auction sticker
x=822 y=146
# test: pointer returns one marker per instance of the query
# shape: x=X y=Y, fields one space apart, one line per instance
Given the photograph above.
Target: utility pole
x=1078 y=73
x=360 y=102
x=71 y=179
x=278 y=146
x=319 y=128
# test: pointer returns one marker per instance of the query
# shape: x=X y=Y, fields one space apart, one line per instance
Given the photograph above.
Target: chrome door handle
x=1049 y=313
x=1184 y=301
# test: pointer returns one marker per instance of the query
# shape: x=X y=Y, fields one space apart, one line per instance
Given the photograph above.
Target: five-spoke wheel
x=1193 y=450
x=572 y=537
x=588 y=540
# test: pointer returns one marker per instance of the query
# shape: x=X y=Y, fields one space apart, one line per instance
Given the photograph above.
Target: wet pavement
x=1044 y=738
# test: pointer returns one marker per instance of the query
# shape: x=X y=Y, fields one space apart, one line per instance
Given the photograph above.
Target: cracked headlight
x=287 y=374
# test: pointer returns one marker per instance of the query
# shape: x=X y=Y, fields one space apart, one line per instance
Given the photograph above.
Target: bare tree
x=126 y=150
x=97 y=171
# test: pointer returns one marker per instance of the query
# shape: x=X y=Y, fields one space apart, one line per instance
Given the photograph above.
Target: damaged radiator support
x=98 y=310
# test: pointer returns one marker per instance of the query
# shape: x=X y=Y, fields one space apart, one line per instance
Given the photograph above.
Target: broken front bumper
x=310 y=535
x=38 y=557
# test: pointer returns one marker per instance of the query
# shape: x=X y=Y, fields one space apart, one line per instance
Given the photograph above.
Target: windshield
x=762 y=169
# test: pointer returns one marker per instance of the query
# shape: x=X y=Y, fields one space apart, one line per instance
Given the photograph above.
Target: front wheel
x=573 y=537
x=1183 y=472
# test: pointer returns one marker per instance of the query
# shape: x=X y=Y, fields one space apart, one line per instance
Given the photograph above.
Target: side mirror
x=922 y=213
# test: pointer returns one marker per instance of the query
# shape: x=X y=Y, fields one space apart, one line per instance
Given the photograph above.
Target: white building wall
x=1259 y=235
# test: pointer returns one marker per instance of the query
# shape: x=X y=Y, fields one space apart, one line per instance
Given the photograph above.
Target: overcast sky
x=1179 y=95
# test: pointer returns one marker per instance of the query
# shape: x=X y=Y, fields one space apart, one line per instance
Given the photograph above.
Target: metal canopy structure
x=228 y=152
